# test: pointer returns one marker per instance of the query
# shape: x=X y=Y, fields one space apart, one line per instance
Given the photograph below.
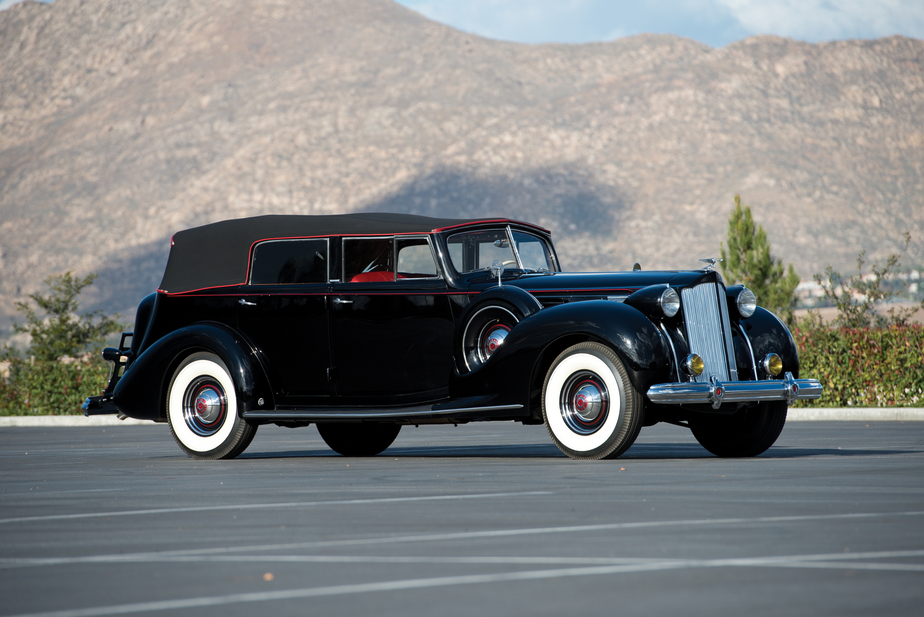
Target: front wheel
x=202 y=410
x=590 y=407
x=746 y=433
x=358 y=438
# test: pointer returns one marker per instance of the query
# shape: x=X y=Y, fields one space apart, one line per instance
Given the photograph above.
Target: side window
x=288 y=262
x=415 y=259
x=367 y=260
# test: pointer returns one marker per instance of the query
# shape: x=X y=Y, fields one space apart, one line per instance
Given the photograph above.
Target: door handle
x=339 y=301
x=244 y=302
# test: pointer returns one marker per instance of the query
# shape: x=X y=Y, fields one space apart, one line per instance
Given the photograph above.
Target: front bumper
x=716 y=392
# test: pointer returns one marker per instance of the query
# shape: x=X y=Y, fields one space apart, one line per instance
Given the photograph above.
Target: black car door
x=391 y=323
x=284 y=312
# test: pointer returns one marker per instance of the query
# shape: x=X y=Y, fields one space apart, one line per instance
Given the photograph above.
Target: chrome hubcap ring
x=204 y=406
x=491 y=340
x=584 y=403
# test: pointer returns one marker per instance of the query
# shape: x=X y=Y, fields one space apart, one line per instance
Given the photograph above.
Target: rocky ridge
x=121 y=123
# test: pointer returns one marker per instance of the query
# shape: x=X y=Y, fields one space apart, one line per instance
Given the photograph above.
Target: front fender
x=525 y=302
x=510 y=376
x=140 y=392
x=768 y=334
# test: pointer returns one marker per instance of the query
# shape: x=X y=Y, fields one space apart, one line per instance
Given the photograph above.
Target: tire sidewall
x=584 y=358
x=196 y=366
x=750 y=434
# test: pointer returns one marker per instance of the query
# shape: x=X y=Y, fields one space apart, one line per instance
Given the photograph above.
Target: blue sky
x=714 y=22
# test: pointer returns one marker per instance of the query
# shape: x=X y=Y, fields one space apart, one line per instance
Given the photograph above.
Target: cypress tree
x=748 y=262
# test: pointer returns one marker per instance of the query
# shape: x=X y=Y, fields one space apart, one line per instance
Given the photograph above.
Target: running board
x=404 y=413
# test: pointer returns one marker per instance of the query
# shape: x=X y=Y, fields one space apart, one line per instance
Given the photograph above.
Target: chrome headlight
x=670 y=302
x=747 y=302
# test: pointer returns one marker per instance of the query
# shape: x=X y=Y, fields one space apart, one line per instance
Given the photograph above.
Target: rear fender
x=143 y=317
x=141 y=391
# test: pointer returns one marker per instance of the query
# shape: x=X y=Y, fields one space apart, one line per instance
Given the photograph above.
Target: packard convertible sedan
x=363 y=323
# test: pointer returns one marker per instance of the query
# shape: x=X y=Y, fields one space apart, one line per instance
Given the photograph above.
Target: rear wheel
x=590 y=408
x=202 y=410
x=358 y=438
x=746 y=433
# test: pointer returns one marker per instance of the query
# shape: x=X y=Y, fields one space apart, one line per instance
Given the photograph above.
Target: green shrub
x=42 y=387
x=62 y=365
x=864 y=367
x=865 y=357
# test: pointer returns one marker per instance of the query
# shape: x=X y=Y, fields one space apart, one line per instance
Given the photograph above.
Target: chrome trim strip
x=717 y=392
x=726 y=331
x=673 y=350
x=747 y=340
x=513 y=246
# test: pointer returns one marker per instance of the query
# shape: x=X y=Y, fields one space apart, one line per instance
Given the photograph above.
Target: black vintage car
x=362 y=323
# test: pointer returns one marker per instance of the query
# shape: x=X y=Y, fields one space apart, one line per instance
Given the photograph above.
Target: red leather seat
x=373 y=277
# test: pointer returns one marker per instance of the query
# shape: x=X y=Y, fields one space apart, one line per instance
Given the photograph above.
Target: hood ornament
x=497 y=269
x=710 y=263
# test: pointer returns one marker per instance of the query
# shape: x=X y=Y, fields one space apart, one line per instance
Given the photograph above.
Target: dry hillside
x=123 y=122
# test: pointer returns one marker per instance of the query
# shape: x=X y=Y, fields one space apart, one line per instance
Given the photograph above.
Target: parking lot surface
x=483 y=518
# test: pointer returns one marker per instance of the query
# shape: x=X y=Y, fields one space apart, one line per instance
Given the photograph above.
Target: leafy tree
x=61 y=366
x=856 y=297
x=748 y=262
x=60 y=332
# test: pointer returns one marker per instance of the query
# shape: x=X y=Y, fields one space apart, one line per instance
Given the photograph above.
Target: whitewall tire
x=202 y=409
x=590 y=408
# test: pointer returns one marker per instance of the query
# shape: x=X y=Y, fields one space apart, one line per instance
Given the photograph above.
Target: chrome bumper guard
x=103 y=404
x=716 y=392
x=99 y=405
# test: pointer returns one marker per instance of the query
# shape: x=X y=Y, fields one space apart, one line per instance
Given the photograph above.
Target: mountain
x=124 y=122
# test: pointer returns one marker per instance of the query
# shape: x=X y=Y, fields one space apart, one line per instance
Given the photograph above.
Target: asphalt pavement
x=796 y=414
x=486 y=518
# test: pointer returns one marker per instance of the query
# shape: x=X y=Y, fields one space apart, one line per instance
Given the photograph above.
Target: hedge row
x=864 y=367
x=40 y=388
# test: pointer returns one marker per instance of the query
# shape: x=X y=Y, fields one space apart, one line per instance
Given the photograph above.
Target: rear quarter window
x=289 y=262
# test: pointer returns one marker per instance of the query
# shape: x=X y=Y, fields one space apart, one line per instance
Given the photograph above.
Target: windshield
x=477 y=250
x=533 y=251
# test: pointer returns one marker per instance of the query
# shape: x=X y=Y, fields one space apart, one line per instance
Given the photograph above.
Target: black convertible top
x=218 y=254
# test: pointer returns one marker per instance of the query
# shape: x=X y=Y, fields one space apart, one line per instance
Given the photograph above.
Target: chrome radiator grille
x=709 y=331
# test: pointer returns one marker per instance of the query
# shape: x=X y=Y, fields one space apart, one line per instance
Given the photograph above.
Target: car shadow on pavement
x=662 y=451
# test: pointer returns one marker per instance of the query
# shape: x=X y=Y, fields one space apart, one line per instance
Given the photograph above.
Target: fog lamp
x=693 y=365
x=772 y=364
